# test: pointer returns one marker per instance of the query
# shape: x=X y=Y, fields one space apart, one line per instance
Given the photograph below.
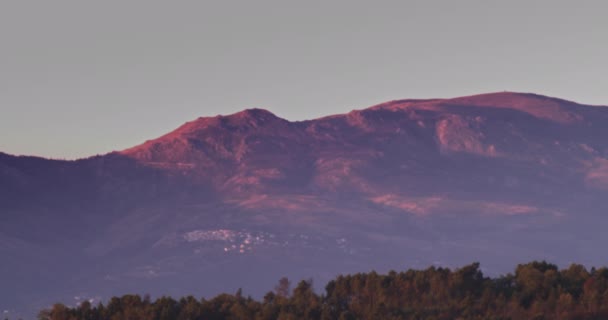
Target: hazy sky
x=79 y=77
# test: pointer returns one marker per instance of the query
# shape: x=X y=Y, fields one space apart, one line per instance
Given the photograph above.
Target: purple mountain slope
x=242 y=200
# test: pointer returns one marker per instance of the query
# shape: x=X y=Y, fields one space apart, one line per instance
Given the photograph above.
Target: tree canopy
x=536 y=290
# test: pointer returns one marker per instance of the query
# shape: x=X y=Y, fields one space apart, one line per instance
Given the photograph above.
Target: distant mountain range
x=241 y=200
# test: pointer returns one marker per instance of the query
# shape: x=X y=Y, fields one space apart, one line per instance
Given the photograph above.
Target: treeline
x=537 y=290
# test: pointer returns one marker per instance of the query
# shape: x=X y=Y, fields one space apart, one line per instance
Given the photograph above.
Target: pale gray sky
x=79 y=78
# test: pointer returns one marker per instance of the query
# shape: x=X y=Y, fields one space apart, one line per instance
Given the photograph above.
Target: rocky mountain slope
x=241 y=200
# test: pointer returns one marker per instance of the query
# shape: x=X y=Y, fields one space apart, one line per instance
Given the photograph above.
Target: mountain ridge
x=495 y=178
x=252 y=113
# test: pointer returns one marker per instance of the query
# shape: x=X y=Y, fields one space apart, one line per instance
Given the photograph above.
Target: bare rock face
x=496 y=178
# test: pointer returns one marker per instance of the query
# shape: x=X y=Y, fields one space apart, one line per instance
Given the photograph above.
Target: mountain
x=241 y=200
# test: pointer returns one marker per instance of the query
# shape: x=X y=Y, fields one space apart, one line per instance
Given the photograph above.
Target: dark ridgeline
x=499 y=178
x=537 y=290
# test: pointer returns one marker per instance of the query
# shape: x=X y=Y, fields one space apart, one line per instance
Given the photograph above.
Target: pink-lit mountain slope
x=241 y=200
x=504 y=152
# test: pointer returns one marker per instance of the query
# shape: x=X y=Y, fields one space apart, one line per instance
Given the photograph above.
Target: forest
x=536 y=290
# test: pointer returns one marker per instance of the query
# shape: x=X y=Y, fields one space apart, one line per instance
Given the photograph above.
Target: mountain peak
x=256 y=113
x=539 y=106
x=205 y=137
x=253 y=116
x=508 y=98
